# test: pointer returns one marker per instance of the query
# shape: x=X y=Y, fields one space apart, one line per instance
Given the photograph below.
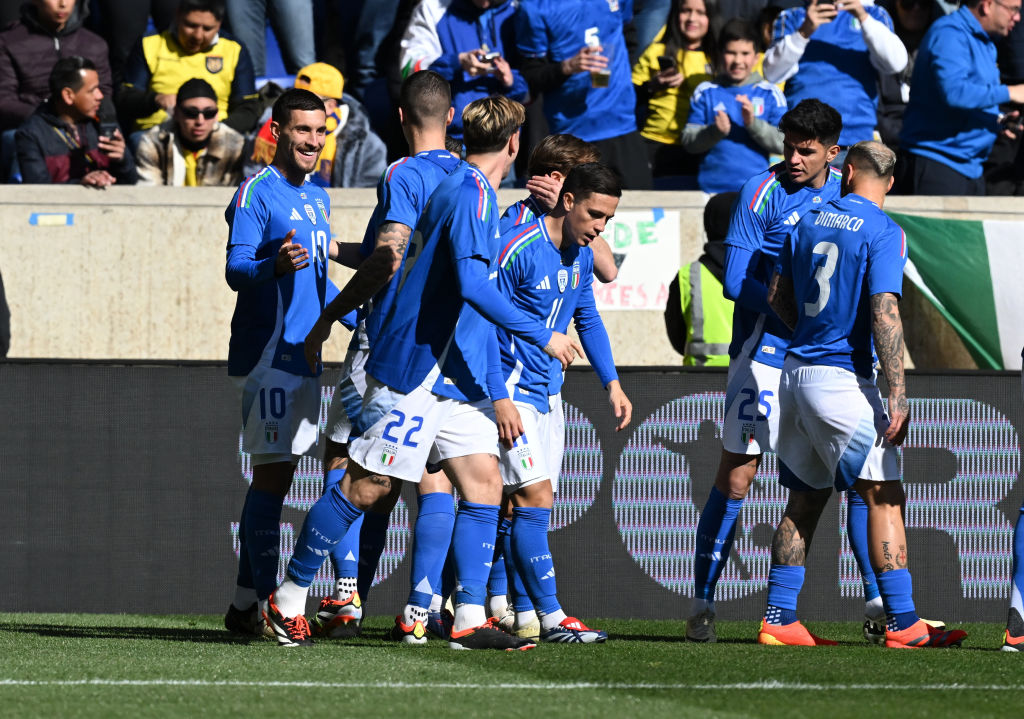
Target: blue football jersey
x=554 y=287
x=272 y=318
x=838 y=256
x=402 y=193
x=767 y=209
x=519 y=213
x=556 y=30
x=425 y=337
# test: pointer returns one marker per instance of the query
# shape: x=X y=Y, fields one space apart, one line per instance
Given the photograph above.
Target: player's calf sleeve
x=431 y=536
x=262 y=538
x=897 y=592
x=533 y=556
x=784 y=585
x=857 y=533
x=517 y=588
x=497 y=580
x=716 y=530
x=326 y=524
x=476 y=527
x=372 y=540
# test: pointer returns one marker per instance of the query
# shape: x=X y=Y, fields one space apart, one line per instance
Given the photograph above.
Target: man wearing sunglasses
x=191 y=148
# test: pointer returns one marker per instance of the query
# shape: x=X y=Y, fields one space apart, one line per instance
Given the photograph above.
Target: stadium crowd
x=676 y=94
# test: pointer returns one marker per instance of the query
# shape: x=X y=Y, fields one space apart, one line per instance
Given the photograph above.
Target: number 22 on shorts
x=397 y=423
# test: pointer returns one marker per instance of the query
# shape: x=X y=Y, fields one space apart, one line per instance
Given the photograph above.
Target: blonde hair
x=488 y=123
x=873 y=156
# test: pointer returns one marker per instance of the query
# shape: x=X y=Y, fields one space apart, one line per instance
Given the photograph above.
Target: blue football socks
x=857 y=533
x=497 y=580
x=517 y=588
x=432 y=535
x=476 y=526
x=326 y=524
x=533 y=557
x=1017 y=574
x=244 y=579
x=716 y=531
x=262 y=527
x=896 y=589
x=784 y=584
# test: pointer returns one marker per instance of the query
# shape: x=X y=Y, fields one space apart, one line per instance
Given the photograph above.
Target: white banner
x=646 y=248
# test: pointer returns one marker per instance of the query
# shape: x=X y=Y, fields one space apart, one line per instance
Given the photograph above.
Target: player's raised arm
x=887 y=329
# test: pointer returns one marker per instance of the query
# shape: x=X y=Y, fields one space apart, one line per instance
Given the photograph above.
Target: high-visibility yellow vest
x=708 y=316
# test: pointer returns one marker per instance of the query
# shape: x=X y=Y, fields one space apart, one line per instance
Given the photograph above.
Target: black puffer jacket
x=28 y=52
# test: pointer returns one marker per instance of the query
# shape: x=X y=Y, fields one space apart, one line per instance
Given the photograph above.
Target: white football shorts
x=832 y=428
x=405 y=432
x=751 y=423
x=347 y=401
x=537 y=454
x=280 y=414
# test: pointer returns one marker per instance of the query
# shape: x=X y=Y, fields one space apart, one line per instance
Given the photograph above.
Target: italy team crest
x=747 y=433
x=388 y=454
x=214 y=64
x=563 y=280
x=758 y=104
x=271 y=429
x=309 y=213
x=323 y=210
x=575 y=275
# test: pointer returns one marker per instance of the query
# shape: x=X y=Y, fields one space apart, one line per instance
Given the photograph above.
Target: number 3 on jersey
x=822 y=275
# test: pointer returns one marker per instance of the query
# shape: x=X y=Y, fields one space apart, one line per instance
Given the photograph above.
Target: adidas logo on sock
x=319 y=552
x=295 y=215
x=545 y=284
x=550 y=574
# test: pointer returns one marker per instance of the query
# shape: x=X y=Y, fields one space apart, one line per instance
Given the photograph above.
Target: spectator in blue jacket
x=466 y=42
x=953 y=115
x=835 y=53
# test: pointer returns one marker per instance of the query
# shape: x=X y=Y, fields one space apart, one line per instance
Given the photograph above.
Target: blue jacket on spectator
x=955 y=93
x=441 y=29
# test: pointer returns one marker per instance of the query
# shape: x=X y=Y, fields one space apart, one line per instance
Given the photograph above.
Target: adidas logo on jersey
x=295 y=215
x=550 y=574
x=545 y=284
x=792 y=219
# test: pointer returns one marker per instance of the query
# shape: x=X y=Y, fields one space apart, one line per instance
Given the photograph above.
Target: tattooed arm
x=887 y=328
x=783 y=300
x=374 y=272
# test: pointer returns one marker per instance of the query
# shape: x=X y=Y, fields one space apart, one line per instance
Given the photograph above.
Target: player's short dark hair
x=488 y=123
x=561 y=153
x=68 y=73
x=453 y=146
x=813 y=119
x=217 y=8
x=738 y=29
x=872 y=156
x=295 y=99
x=591 y=178
x=425 y=98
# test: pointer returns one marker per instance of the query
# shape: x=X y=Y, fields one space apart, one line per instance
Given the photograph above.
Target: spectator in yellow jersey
x=193 y=47
x=667 y=73
x=191 y=148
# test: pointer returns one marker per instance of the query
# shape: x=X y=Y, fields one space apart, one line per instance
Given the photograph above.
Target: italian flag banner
x=972 y=273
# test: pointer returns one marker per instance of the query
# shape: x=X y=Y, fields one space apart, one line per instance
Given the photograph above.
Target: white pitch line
x=551 y=686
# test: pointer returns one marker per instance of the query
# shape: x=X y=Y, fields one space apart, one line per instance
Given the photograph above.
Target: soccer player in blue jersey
x=769 y=205
x=277 y=254
x=425 y=112
x=837 y=283
x=546 y=270
x=429 y=377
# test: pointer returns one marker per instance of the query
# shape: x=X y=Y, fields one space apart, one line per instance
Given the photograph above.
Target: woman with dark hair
x=679 y=59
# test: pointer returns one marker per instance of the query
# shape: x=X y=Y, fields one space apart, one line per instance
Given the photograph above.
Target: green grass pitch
x=71 y=665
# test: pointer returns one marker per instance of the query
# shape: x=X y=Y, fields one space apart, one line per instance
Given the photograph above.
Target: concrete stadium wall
x=138 y=273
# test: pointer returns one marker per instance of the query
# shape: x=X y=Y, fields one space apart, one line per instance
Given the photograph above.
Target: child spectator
x=666 y=75
x=734 y=119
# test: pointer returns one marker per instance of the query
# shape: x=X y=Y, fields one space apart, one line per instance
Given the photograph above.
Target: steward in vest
x=698 y=318
x=192 y=48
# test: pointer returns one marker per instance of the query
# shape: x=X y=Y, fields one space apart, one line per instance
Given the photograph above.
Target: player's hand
x=314 y=342
x=746 y=109
x=621 y=405
x=470 y=62
x=588 y=59
x=291 y=257
x=545 y=189
x=100 y=179
x=503 y=71
x=510 y=424
x=817 y=15
x=113 y=146
x=899 y=419
x=563 y=348
x=1010 y=124
x=722 y=122
x=668 y=78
